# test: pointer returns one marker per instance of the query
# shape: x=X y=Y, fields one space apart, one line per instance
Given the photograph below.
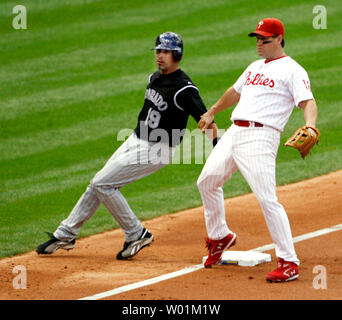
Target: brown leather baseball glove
x=303 y=140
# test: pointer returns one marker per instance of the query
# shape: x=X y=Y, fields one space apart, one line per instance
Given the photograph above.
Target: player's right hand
x=205 y=121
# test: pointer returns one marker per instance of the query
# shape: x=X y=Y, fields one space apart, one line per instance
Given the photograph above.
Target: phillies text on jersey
x=269 y=90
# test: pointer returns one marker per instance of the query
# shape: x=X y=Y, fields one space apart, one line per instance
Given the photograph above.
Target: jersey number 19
x=153 y=118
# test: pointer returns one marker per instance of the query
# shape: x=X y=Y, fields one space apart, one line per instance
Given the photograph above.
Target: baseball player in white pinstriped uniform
x=265 y=93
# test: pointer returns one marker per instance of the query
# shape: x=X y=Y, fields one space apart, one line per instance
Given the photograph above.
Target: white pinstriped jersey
x=269 y=90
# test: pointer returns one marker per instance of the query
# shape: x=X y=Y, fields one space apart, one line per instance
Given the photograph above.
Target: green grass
x=77 y=76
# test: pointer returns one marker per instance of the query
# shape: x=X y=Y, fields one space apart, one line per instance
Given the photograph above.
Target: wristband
x=215 y=141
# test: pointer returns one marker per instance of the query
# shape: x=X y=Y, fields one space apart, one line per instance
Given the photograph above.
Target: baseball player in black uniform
x=170 y=98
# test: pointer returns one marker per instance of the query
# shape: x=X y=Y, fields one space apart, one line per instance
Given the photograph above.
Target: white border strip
x=200 y=266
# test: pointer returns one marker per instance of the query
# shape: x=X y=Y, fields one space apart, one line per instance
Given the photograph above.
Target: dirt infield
x=91 y=267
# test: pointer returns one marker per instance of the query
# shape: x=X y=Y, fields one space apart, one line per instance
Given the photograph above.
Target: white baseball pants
x=133 y=160
x=253 y=151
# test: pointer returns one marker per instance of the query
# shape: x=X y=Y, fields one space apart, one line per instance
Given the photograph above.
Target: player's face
x=267 y=46
x=165 y=61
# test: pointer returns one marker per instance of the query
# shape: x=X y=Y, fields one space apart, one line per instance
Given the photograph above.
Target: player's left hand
x=312 y=131
x=303 y=140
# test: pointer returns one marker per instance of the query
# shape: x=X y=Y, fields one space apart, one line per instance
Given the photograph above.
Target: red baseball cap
x=268 y=27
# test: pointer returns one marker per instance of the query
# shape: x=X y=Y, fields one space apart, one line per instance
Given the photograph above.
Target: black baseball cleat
x=54 y=244
x=130 y=249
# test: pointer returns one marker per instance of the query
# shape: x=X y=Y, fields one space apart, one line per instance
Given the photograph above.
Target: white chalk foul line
x=200 y=266
x=302 y=237
x=144 y=283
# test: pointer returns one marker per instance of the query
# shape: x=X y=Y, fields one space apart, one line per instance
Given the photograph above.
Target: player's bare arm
x=310 y=112
x=228 y=99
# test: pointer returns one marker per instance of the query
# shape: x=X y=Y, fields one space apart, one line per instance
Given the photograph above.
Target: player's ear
x=280 y=39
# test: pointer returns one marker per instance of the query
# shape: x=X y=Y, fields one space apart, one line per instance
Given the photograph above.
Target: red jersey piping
x=267 y=61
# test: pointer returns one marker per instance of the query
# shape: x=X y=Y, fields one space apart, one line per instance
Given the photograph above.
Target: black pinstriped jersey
x=169 y=100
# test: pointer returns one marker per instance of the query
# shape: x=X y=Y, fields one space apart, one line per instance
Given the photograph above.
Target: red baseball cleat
x=217 y=247
x=286 y=271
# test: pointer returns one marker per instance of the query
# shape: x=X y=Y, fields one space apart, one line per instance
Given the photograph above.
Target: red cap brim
x=261 y=33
